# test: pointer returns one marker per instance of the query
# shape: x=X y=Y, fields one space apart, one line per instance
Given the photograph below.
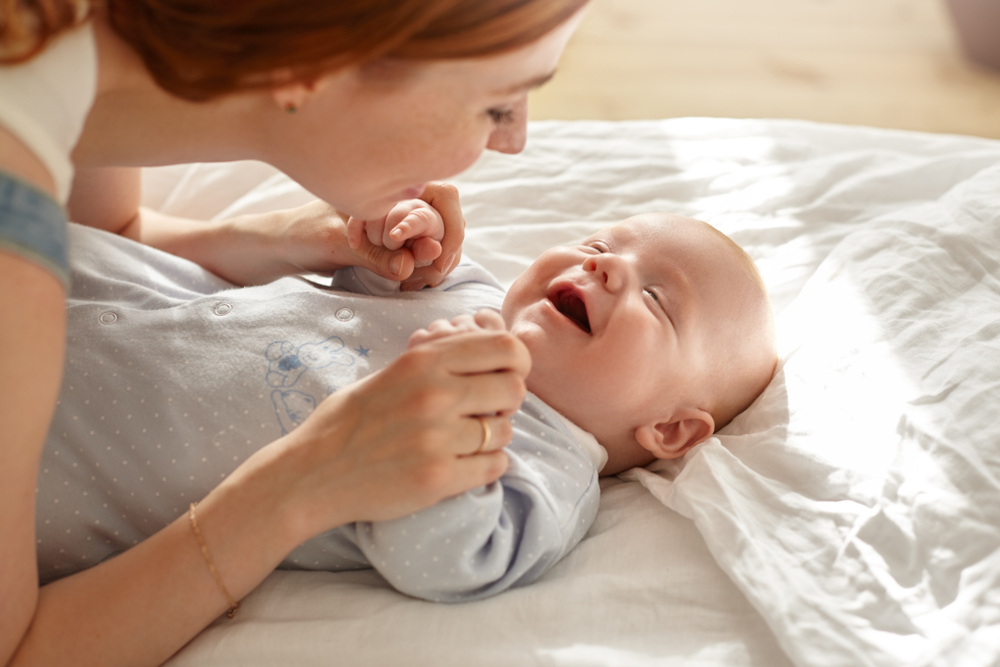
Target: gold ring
x=487 y=434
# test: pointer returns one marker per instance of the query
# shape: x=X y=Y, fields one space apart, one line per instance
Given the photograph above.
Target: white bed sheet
x=850 y=517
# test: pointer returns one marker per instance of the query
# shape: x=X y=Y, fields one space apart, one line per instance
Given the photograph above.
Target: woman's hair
x=199 y=49
x=27 y=26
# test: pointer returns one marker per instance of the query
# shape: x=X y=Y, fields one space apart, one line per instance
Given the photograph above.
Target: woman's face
x=365 y=138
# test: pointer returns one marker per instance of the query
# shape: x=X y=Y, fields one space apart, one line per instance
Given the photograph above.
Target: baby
x=651 y=335
x=644 y=338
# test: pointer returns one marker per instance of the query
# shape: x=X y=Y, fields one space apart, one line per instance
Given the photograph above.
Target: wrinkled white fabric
x=855 y=505
x=862 y=510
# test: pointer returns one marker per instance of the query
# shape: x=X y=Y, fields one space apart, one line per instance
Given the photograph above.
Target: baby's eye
x=660 y=304
x=597 y=246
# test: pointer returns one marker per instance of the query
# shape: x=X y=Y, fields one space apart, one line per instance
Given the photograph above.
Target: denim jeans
x=33 y=225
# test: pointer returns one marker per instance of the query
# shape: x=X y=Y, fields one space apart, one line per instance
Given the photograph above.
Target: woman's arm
x=137 y=609
x=32 y=309
x=31 y=357
x=256 y=249
x=381 y=448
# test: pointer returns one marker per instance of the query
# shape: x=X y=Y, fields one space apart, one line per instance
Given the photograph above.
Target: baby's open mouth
x=572 y=306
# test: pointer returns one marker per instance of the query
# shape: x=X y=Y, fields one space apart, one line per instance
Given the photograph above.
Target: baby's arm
x=413 y=223
x=498 y=536
x=505 y=534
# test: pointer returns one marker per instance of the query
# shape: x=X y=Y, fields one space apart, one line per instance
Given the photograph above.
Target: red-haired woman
x=363 y=102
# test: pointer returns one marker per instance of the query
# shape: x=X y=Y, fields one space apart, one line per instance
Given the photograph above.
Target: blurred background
x=885 y=63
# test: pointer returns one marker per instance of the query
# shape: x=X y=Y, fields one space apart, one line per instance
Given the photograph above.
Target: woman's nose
x=609 y=269
x=510 y=136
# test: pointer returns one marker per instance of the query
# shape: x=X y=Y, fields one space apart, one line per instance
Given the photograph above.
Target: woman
x=364 y=103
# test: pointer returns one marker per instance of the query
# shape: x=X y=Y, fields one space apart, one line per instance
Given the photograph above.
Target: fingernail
x=396 y=265
x=446 y=264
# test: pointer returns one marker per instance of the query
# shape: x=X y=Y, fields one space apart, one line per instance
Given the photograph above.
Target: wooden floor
x=885 y=63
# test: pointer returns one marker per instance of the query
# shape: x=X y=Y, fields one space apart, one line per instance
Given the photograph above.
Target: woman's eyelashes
x=501 y=116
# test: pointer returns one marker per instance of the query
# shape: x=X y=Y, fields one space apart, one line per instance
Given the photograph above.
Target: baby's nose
x=608 y=269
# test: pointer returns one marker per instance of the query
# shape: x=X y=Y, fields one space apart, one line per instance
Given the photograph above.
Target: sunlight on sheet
x=593 y=655
x=724 y=163
x=843 y=375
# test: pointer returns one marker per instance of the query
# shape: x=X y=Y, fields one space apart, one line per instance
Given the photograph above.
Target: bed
x=850 y=517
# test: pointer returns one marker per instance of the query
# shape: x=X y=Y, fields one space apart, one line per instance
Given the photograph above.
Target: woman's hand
x=316 y=239
x=401 y=439
x=484 y=320
x=413 y=224
x=436 y=237
x=256 y=249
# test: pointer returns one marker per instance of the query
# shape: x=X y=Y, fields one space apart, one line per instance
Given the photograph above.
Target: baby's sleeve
x=498 y=536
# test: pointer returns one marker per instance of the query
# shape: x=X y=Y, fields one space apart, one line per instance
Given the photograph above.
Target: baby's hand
x=485 y=319
x=413 y=223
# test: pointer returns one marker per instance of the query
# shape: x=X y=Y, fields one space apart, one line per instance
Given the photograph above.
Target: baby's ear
x=671 y=439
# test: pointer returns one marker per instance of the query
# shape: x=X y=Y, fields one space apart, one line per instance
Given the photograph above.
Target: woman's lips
x=414 y=192
x=572 y=306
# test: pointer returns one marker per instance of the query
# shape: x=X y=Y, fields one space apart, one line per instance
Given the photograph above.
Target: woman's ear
x=291 y=94
x=290 y=97
x=672 y=439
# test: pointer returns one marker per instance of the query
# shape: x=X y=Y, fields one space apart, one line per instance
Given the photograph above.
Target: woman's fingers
x=475 y=471
x=498 y=392
x=444 y=198
x=355 y=229
x=490 y=433
x=486 y=319
x=472 y=352
x=436 y=329
x=425 y=250
x=460 y=376
x=490 y=319
x=441 y=399
x=408 y=436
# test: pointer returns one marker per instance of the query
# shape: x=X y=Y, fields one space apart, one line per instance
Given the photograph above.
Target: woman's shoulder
x=45 y=103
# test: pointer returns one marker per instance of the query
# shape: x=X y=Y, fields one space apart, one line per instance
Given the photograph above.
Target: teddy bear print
x=287 y=362
x=292 y=408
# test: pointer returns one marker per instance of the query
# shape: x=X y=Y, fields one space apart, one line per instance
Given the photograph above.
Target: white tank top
x=45 y=101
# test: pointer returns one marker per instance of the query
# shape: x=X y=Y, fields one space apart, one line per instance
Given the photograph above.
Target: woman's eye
x=501 y=116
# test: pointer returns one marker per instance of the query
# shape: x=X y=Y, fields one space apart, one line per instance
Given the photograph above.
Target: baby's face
x=621 y=328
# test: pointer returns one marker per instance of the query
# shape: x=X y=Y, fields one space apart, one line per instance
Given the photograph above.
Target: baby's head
x=651 y=334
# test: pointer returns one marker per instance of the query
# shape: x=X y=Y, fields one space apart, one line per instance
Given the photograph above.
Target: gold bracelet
x=233 y=604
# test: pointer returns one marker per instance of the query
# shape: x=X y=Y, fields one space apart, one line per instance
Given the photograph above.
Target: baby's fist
x=484 y=320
